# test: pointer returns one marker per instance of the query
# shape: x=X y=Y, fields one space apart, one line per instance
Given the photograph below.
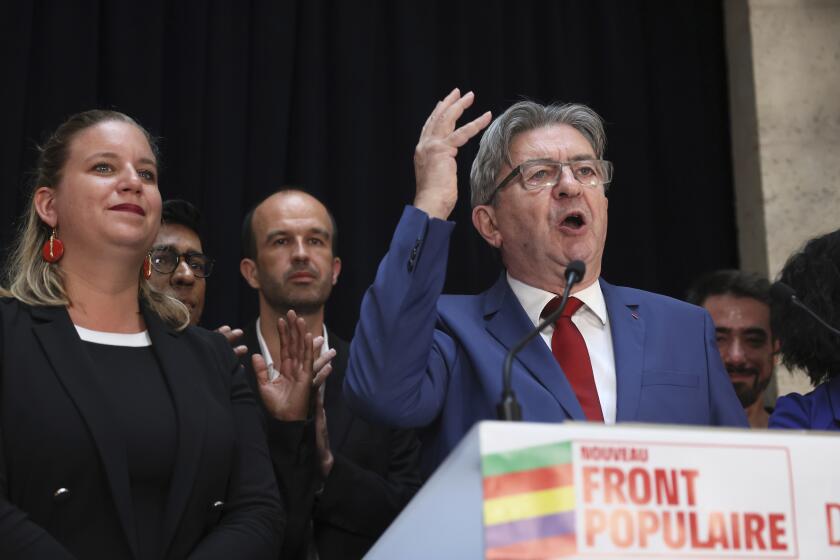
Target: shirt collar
x=269 y=361
x=533 y=300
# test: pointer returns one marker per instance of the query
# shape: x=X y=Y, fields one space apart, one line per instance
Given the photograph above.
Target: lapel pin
x=634 y=314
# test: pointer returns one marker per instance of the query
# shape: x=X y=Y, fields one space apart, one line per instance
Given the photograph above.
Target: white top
x=594 y=325
x=114 y=339
x=269 y=361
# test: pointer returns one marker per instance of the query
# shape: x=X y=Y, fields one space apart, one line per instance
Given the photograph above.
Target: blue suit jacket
x=422 y=359
x=818 y=410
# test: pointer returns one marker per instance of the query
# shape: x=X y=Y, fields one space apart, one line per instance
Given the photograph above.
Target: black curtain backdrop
x=250 y=95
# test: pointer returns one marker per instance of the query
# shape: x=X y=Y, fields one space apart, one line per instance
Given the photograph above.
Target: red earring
x=147 y=266
x=53 y=249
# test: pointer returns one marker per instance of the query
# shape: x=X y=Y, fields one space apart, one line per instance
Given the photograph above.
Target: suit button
x=217 y=505
x=61 y=495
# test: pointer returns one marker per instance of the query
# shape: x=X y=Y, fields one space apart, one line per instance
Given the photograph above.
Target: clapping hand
x=232 y=335
x=289 y=395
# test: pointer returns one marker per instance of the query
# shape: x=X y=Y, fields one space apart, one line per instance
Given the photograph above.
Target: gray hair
x=494 y=148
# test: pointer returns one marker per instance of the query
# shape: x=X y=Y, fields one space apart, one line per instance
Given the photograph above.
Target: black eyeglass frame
x=517 y=171
x=188 y=256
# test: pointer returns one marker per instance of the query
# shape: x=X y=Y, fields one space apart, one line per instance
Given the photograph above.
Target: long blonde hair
x=32 y=280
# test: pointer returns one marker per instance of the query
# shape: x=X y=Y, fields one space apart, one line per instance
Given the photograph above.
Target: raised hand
x=435 y=169
x=288 y=396
x=232 y=335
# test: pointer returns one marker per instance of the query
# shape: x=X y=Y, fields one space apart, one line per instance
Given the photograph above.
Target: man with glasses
x=616 y=354
x=180 y=267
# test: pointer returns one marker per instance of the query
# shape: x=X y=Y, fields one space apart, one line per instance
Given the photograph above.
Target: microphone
x=508 y=408
x=781 y=292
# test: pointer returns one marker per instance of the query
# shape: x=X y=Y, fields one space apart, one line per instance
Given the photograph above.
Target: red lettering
x=689 y=475
x=669 y=527
x=695 y=537
x=589 y=484
x=639 y=486
x=736 y=531
x=648 y=525
x=777 y=531
x=621 y=528
x=666 y=490
x=717 y=530
x=753 y=527
x=613 y=480
x=595 y=522
x=832 y=513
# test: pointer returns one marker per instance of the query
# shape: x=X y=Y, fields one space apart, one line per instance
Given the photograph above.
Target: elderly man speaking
x=539 y=180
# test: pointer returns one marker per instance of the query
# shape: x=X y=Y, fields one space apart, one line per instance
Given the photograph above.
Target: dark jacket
x=374 y=476
x=57 y=433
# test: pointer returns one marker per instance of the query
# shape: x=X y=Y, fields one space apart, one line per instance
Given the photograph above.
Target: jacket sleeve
x=351 y=489
x=294 y=456
x=792 y=412
x=20 y=538
x=397 y=371
x=253 y=519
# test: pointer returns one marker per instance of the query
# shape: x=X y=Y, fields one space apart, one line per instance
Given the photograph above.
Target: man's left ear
x=336 y=269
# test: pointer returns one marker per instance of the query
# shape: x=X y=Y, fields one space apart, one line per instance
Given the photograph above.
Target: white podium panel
x=590 y=491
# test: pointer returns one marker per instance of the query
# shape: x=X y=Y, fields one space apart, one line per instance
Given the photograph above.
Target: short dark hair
x=249 y=240
x=814 y=274
x=729 y=282
x=183 y=213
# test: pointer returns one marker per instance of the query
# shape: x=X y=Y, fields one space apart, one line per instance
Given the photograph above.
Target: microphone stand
x=508 y=408
x=782 y=292
x=816 y=317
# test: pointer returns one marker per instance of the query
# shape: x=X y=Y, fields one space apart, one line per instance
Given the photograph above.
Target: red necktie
x=570 y=351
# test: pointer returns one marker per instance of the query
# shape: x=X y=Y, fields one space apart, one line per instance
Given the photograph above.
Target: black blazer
x=64 y=486
x=374 y=476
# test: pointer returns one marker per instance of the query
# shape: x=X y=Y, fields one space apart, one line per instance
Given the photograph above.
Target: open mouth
x=574 y=221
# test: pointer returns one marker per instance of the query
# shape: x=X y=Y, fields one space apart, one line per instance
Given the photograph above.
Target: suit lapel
x=176 y=362
x=339 y=418
x=628 y=336
x=73 y=367
x=508 y=323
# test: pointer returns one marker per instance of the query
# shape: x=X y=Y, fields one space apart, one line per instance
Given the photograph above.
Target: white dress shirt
x=594 y=325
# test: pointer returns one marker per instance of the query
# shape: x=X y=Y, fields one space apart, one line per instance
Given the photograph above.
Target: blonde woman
x=124 y=433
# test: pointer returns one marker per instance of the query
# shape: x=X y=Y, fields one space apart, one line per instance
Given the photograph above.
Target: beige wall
x=784 y=75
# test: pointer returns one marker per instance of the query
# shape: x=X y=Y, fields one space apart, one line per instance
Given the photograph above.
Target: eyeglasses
x=166 y=260
x=542 y=173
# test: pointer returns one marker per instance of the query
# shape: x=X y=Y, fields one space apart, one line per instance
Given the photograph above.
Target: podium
x=591 y=491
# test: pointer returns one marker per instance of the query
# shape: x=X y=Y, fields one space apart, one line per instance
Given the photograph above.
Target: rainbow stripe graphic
x=529 y=503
